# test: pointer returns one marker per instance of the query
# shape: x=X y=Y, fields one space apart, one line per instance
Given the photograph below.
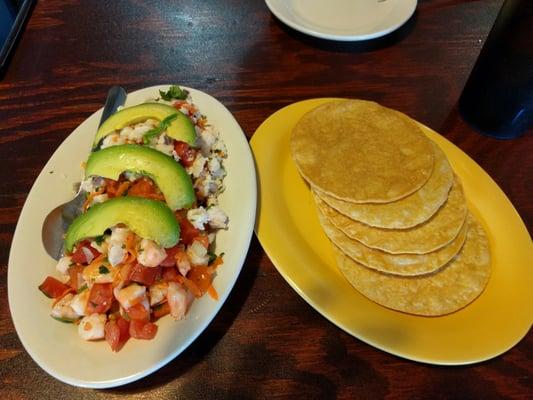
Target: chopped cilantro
x=212 y=257
x=99 y=239
x=163 y=125
x=81 y=289
x=103 y=269
x=174 y=92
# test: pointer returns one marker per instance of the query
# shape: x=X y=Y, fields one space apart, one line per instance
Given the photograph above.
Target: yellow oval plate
x=288 y=229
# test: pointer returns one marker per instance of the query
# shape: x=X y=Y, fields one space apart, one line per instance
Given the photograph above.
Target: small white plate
x=344 y=20
x=55 y=346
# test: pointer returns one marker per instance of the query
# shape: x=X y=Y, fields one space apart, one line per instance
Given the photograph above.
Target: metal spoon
x=58 y=220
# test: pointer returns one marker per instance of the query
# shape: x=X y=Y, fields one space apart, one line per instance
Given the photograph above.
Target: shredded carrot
x=202 y=122
x=161 y=310
x=191 y=109
x=152 y=196
x=179 y=103
x=90 y=198
x=212 y=292
x=192 y=287
x=125 y=271
x=96 y=261
x=130 y=241
x=130 y=248
x=122 y=188
x=130 y=257
x=145 y=188
x=216 y=263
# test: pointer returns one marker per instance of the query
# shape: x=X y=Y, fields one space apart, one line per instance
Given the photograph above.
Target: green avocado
x=180 y=129
x=149 y=219
x=169 y=176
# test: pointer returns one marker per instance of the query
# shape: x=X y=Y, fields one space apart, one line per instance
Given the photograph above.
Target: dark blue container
x=498 y=97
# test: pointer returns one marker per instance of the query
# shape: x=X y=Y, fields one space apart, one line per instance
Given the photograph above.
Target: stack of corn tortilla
x=392 y=207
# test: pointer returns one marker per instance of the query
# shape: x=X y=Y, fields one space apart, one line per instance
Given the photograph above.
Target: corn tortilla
x=407 y=212
x=437 y=232
x=361 y=152
x=397 y=264
x=445 y=291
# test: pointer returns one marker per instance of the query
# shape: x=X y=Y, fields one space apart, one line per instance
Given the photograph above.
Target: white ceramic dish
x=55 y=346
x=344 y=20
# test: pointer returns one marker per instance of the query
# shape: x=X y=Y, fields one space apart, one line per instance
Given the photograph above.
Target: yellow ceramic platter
x=288 y=229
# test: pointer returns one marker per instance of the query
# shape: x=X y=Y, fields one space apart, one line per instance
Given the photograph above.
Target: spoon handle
x=116 y=97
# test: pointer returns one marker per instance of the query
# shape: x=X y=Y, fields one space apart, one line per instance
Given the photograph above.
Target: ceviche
x=144 y=244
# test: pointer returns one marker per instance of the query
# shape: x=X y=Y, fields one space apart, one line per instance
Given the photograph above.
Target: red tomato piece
x=170 y=261
x=111 y=187
x=144 y=275
x=142 y=329
x=185 y=153
x=53 y=288
x=79 y=256
x=145 y=187
x=187 y=231
x=117 y=333
x=100 y=298
x=138 y=312
x=171 y=274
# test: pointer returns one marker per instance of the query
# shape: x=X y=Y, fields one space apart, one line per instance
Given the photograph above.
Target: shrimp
x=150 y=254
x=63 y=309
x=130 y=295
x=92 y=326
x=177 y=300
x=158 y=292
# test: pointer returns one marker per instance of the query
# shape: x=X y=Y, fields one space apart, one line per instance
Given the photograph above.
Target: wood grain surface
x=266 y=342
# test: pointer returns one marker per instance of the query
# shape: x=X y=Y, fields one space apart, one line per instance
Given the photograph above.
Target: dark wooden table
x=266 y=341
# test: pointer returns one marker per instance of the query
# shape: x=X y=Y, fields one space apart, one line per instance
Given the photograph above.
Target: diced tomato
x=161 y=310
x=144 y=187
x=100 y=298
x=142 y=329
x=111 y=187
x=185 y=152
x=79 y=256
x=139 y=312
x=187 y=231
x=144 y=275
x=53 y=288
x=117 y=333
x=74 y=272
x=171 y=274
x=140 y=187
x=170 y=261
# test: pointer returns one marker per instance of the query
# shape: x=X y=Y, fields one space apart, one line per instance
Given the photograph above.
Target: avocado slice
x=150 y=219
x=180 y=129
x=169 y=175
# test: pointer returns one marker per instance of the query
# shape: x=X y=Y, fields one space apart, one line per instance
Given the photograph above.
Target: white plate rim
x=278 y=10
x=238 y=150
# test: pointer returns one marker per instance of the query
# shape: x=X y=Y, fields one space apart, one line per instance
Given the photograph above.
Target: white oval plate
x=343 y=20
x=55 y=346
